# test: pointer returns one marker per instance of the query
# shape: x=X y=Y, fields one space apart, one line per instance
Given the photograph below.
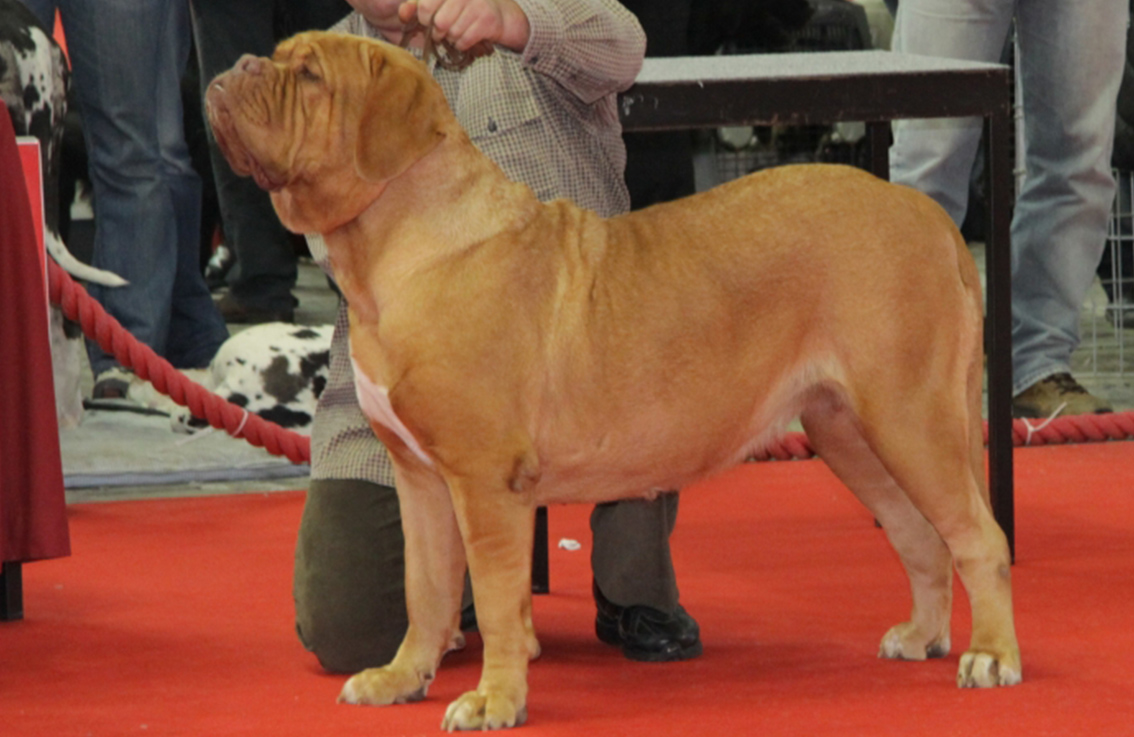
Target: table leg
x=11 y=591
x=998 y=319
x=878 y=138
x=541 y=575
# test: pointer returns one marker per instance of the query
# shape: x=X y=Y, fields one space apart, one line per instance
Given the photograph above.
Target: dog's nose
x=250 y=64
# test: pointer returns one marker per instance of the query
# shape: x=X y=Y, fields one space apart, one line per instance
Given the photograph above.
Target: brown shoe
x=235 y=311
x=1057 y=394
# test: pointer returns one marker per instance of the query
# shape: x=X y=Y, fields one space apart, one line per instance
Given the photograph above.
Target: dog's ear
x=399 y=122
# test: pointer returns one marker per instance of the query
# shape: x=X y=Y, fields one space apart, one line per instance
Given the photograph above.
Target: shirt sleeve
x=593 y=48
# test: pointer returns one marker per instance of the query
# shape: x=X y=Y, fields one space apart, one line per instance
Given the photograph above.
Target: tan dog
x=511 y=353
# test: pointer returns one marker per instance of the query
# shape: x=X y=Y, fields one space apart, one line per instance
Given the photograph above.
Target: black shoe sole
x=651 y=656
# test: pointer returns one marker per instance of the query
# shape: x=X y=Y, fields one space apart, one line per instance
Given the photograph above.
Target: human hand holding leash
x=469 y=23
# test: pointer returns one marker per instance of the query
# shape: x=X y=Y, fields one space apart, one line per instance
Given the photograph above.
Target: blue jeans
x=127 y=58
x=1071 y=60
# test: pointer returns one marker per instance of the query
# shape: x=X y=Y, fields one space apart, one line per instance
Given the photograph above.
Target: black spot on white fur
x=279 y=382
x=285 y=417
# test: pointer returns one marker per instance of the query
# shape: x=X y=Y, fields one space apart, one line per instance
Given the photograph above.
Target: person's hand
x=466 y=23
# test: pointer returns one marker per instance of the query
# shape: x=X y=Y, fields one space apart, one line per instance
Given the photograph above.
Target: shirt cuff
x=548 y=33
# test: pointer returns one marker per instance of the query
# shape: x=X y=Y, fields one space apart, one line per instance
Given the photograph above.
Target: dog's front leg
x=497 y=525
x=435 y=569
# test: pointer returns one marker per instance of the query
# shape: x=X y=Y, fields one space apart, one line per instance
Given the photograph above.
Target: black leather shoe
x=645 y=633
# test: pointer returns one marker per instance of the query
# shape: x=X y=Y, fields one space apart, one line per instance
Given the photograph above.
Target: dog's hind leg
x=929 y=444
x=834 y=433
x=435 y=571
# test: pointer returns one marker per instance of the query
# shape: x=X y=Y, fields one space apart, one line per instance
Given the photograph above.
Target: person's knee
x=349 y=584
x=345 y=640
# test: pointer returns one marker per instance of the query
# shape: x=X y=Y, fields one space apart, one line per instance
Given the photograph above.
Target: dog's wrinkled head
x=325 y=123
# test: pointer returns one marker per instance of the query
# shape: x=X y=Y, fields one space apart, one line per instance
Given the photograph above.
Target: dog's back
x=745 y=291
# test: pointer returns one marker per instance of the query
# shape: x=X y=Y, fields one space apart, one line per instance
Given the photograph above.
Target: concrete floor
x=317 y=305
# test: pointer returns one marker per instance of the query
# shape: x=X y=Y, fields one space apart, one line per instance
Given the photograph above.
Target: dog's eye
x=306 y=67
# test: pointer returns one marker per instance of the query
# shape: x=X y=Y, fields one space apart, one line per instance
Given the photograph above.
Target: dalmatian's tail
x=57 y=249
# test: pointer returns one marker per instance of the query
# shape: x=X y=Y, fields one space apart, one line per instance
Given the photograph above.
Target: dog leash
x=1032 y=430
x=448 y=56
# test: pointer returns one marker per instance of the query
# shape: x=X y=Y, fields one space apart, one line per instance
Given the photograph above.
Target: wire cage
x=1107 y=320
x=835 y=25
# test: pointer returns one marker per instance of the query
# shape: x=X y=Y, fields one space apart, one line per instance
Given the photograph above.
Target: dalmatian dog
x=275 y=370
x=34 y=77
x=33 y=84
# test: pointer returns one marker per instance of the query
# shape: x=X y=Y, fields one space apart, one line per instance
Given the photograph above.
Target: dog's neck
x=450 y=200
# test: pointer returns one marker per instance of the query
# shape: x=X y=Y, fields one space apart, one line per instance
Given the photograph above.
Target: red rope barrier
x=1061 y=430
x=220 y=413
x=114 y=339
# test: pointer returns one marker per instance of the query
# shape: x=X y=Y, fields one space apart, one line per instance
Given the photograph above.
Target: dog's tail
x=57 y=249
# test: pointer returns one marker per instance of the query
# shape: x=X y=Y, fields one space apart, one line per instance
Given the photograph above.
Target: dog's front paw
x=384 y=686
x=907 y=642
x=984 y=670
x=475 y=710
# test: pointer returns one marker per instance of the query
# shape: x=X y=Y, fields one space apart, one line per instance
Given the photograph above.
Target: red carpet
x=174 y=618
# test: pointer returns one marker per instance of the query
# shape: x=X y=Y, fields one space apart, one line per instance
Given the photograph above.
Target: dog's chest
x=375 y=403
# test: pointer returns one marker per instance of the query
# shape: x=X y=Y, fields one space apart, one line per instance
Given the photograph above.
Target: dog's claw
x=984 y=670
x=382 y=687
x=474 y=710
x=905 y=642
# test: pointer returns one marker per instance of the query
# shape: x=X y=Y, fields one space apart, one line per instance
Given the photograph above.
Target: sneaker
x=1058 y=394
x=112 y=384
x=220 y=263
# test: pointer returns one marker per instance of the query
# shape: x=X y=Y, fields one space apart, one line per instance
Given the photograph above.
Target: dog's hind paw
x=383 y=686
x=984 y=670
x=474 y=710
x=906 y=642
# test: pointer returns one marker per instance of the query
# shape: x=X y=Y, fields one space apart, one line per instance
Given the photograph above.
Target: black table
x=874 y=87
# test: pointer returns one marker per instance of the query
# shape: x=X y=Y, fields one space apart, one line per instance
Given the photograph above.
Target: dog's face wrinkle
x=307 y=102
x=285 y=110
x=261 y=121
